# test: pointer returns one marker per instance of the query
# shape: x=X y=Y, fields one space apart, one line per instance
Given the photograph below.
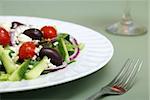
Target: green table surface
x=95 y=14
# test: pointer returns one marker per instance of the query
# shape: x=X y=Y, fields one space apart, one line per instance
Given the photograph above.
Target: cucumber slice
x=81 y=46
x=7 y=61
x=19 y=73
x=63 y=49
x=4 y=77
x=38 y=69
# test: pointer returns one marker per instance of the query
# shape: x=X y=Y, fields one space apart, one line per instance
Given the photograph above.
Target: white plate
x=97 y=52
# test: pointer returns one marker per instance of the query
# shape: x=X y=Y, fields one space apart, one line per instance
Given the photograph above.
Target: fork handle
x=96 y=95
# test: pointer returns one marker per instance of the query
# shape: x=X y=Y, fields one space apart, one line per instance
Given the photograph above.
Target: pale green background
x=95 y=14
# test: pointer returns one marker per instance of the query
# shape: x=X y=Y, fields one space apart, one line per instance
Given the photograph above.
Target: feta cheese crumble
x=24 y=38
x=50 y=65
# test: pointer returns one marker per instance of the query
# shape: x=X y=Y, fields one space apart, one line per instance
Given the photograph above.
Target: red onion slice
x=76 y=53
x=12 y=39
x=55 y=69
x=15 y=24
x=77 y=50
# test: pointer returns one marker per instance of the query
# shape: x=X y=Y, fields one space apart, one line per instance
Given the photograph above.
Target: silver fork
x=123 y=81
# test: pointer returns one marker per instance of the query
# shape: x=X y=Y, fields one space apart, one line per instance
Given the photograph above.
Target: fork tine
x=123 y=69
x=130 y=82
x=135 y=68
x=125 y=74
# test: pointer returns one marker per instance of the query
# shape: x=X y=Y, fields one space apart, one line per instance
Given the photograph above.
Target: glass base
x=126 y=28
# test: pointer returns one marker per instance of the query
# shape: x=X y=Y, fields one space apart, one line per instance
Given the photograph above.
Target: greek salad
x=28 y=51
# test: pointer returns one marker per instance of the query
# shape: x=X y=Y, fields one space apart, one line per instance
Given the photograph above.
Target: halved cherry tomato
x=49 y=32
x=27 y=50
x=4 y=37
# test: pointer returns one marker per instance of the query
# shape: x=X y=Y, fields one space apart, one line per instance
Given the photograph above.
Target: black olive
x=51 y=53
x=33 y=33
x=15 y=25
x=2 y=68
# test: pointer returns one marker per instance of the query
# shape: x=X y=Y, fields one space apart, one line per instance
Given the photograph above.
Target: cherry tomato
x=27 y=50
x=4 y=37
x=49 y=32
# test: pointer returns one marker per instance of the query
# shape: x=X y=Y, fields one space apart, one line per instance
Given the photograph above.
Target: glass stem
x=126 y=18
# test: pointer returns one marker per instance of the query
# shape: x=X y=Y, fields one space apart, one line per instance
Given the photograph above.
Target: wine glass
x=126 y=26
